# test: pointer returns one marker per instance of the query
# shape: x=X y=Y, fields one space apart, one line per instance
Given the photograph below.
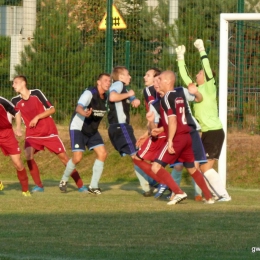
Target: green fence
x=67 y=50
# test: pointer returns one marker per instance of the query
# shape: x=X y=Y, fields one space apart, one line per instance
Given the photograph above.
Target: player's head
x=156 y=85
x=121 y=73
x=149 y=75
x=19 y=82
x=103 y=82
x=166 y=81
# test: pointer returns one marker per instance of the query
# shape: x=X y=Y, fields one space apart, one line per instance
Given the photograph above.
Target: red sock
x=168 y=180
x=199 y=179
x=23 y=178
x=75 y=176
x=34 y=171
x=146 y=167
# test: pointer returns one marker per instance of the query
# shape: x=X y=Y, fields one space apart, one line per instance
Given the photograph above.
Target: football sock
x=197 y=189
x=34 y=171
x=199 y=179
x=97 y=172
x=75 y=176
x=70 y=167
x=215 y=183
x=23 y=178
x=168 y=180
x=146 y=167
x=176 y=175
x=142 y=177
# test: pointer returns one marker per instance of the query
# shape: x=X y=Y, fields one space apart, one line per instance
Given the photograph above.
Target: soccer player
x=41 y=131
x=8 y=143
x=179 y=145
x=206 y=112
x=150 y=95
x=90 y=110
x=121 y=133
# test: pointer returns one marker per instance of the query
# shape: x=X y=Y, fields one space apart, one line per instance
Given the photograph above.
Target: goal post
x=225 y=18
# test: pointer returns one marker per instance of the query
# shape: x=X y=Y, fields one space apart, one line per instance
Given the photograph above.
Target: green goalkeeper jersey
x=206 y=112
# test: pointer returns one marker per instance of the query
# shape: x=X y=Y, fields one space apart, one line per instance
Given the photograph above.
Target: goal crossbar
x=225 y=18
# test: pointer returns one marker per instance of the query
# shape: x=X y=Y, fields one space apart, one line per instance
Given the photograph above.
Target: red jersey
x=36 y=104
x=173 y=104
x=6 y=112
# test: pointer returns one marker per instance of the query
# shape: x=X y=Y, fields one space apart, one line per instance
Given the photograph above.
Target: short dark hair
x=22 y=77
x=103 y=74
x=157 y=71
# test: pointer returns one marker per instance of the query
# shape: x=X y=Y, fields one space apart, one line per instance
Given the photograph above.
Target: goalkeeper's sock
x=75 y=176
x=23 y=178
x=34 y=171
x=215 y=183
x=70 y=167
x=97 y=172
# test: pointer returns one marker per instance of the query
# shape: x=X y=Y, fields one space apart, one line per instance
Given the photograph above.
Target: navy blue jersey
x=90 y=98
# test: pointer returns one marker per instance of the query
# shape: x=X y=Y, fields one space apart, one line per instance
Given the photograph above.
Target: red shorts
x=182 y=145
x=150 y=147
x=53 y=143
x=8 y=143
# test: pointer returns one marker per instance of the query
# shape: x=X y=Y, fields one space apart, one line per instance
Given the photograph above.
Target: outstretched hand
x=180 y=50
x=199 y=45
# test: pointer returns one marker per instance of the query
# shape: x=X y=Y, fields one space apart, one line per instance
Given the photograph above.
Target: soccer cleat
x=198 y=198
x=224 y=198
x=161 y=189
x=148 y=193
x=63 y=186
x=177 y=198
x=37 y=189
x=209 y=201
x=96 y=191
x=1 y=186
x=26 y=193
x=83 y=189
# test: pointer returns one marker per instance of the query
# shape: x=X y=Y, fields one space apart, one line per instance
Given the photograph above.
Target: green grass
x=122 y=224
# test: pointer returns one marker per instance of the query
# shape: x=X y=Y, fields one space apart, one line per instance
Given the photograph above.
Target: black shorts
x=212 y=141
x=79 y=141
x=123 y=139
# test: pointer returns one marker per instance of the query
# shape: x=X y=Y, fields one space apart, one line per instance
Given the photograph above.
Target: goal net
x=239 y=77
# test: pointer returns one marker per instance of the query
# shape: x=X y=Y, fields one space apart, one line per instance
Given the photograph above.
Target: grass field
x=122 y=224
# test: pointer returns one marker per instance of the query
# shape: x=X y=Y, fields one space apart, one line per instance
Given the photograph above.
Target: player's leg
x=21 y=173
x=212 y=142
x=97 y=170
x=33 y=168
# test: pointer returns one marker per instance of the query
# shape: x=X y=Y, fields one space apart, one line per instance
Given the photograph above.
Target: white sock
x=214 y=183
x=97 y=172
x=69 y=169
x=143 y=178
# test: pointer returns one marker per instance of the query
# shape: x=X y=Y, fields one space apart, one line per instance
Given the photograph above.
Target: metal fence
x=61 y=47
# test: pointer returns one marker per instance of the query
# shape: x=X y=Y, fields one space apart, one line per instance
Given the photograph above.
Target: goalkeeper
x=206 y=112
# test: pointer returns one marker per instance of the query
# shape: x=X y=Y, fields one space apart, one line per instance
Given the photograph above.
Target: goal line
x=225 y=18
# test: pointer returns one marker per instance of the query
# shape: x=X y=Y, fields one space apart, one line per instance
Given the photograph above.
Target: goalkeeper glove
x=199 y=45
x=180 y=50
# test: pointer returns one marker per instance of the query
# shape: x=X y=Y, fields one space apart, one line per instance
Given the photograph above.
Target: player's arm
x=192 y=93
x=46 y=113
x=18 y=122
x=183 y=70
x=204 y=59
x=115 y=94
x=83 y=103
x=172 y=126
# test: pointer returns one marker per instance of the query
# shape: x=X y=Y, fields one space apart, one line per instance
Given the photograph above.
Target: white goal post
x=225 y=18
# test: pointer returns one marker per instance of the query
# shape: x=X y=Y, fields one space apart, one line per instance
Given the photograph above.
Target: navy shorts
x=212 y=141
x=123 y=139
x=79 y=141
